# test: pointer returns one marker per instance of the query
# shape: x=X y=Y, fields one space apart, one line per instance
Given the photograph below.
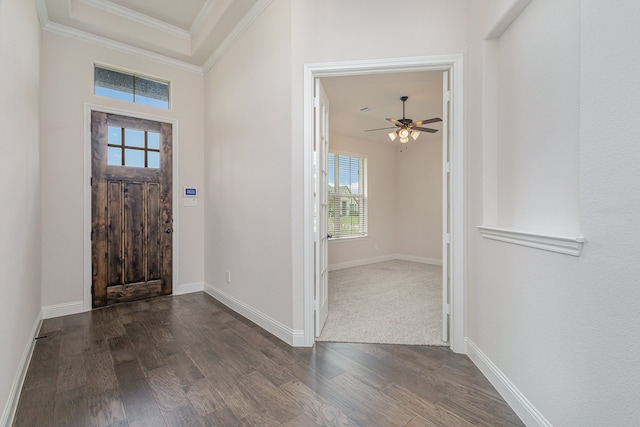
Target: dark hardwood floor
x=190 y=361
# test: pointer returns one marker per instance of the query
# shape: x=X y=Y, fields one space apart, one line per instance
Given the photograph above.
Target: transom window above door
x=126 y=86
x=133 y=147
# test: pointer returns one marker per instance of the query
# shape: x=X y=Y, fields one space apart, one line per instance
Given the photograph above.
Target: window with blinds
x=347 y=196
x=130 y=87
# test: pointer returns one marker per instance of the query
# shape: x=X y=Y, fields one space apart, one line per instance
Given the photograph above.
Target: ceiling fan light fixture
x=415 y=134
x=393 y=136
x=404 y=140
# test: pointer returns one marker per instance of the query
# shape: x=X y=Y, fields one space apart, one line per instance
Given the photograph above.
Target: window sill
x=568 y=245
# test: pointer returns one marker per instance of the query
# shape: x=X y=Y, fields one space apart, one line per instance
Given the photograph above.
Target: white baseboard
x=421 y=260
x=14 y=392
x=518 y=402
x=188 y=288
x=65 y=309
x=383 y=258
x=292 y=337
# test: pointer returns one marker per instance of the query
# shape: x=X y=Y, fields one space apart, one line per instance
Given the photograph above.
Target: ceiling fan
x=407 y=127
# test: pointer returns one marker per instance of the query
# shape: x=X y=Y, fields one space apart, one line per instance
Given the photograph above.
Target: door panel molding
x=451 y=63
x=87 y=274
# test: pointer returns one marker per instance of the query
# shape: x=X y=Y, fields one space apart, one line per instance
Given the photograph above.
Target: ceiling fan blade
x=396 y=122
x=371 y=130
x=424 y=122
x=425 y=129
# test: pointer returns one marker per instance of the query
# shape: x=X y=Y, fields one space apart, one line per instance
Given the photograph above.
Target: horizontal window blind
x=347 y=191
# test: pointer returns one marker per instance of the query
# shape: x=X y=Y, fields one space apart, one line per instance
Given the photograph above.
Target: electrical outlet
x=228 y=276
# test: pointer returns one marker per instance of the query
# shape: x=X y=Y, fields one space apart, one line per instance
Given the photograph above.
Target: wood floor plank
x=190 y=361
x=35 y=407
x=71 y=373
x=121 y=349
x=270 y=397
x=104 y=408
x=313 y=407
x=140 y=406
x=203 y=397
x=100 y=375
x=166 y=388
x=222 y=418
x=71 y=408
x=183 y=416
x=433 y=414
x=43 y=369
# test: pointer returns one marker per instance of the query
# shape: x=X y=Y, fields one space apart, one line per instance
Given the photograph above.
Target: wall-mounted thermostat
x=190 y=195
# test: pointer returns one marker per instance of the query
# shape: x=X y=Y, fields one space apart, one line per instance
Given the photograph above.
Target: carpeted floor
x=392 y=302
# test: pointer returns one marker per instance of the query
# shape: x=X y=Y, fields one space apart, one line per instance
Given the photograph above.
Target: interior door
x=131 y=208
x=322 y=207
x=446 y=206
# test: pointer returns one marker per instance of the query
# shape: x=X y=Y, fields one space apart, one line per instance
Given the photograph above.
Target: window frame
x=345 y=207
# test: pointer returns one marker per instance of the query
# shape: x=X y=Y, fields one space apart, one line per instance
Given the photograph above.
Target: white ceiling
x=186 y=32
x=180 y=13
x=196 y=33
x=381 y=94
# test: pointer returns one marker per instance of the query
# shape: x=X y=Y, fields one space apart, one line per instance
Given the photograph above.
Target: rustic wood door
x=131 y=208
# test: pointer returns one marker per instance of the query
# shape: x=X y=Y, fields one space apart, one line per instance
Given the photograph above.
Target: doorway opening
x=452 y=67
x=385 y=250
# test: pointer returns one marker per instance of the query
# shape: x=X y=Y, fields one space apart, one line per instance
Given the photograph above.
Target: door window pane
x=153 y=140
x=134 y=158
x=115 y=156
x=153 y=159
x=134 y=138
x=115 y=135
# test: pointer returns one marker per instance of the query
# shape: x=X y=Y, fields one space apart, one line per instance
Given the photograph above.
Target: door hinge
x=446 y=308
x=91 y=182
x=447 y=238
x=316 y=102
x=447 y=96
x=446 y=168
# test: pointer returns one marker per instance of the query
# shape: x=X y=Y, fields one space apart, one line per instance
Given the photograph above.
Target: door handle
x=167 y=230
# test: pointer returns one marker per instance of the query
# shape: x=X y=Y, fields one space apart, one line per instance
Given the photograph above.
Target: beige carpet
x=392 y=302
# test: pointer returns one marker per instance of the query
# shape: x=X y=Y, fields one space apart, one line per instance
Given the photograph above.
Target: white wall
x=564 y=330
x=405 y=201
x=538 y=67
x=419 y=198
x=20 y=213
x=67 y=84
x=248 y=169
x=381 y=193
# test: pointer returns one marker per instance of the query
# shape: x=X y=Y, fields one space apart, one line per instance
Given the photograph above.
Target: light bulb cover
x=404 y=140
x=393 y=136
x=415 y=134
x=403 y=133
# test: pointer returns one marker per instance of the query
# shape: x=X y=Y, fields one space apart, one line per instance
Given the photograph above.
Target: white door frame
x=87 y=274
x=452 y=63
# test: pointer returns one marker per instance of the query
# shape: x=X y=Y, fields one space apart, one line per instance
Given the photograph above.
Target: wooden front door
x=131 y=208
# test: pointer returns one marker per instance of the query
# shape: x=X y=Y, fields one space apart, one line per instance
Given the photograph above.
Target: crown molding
x=43 y=14
x=246 y=22
x=83 y=36
x=137 y=17
x=207 y=10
